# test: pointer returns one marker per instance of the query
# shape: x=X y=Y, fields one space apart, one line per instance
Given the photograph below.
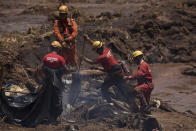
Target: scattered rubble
x=190 y=70
x=164 y=30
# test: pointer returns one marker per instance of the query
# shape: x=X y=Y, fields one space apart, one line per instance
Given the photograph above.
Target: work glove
x=128 y=77
x=65 y=45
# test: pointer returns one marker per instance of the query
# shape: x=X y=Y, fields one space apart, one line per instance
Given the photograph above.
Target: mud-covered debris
x=190 y=71
x=37 y=9
x=114 y=115
x=71 y=128
x=121 y=105
x=85 y=74
x=166 y=107
x=190 y=3
x=101 y=111
x=14 y=90
x=164 y=30
x=105 y=14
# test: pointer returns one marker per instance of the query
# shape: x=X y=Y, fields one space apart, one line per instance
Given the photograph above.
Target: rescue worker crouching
x=111 y=66
x=144 y=79
x=65 y=30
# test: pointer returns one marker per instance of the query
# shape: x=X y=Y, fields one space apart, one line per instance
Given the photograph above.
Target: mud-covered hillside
x=163 y=29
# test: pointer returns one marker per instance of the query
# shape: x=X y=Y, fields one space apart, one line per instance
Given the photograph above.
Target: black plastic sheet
x=32 y=109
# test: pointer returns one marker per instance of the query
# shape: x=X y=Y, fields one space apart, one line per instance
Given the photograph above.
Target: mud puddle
x=173 y=87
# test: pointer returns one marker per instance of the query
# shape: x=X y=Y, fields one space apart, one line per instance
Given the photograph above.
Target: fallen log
x=121 y=105
x=84 y=74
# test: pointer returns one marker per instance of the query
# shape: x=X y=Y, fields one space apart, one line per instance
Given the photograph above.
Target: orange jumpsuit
x=67 y=29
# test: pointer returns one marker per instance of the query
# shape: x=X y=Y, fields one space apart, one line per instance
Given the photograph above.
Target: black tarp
x=32 y=109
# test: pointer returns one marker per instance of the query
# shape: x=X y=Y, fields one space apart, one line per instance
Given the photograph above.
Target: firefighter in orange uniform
x=65 y=30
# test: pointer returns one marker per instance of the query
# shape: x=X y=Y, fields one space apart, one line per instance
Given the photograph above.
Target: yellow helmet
x=56 y=44
x=137 y=53
x=97 y=44
x=63 y=9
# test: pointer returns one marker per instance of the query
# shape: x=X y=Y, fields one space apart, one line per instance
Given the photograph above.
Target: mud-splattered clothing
x=144 y=79
x=143 y=74
x=67 y=29
x=106 y=59
x=114 y=74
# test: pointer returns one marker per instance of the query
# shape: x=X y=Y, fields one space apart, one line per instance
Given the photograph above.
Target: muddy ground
x=164 y=29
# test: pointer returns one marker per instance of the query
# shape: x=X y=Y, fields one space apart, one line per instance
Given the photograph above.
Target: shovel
x=76 y=81
x=75 y=88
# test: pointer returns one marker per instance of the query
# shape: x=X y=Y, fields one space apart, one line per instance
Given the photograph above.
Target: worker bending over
x=53 y=67
x=144 y=78
x=111 y=66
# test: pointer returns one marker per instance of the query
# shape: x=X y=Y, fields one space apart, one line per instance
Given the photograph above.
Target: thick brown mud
x=173 y=87
x=163 y=29
x=14 y=23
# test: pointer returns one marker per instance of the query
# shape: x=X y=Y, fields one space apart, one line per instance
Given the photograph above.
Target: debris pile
x=14 y=90
x=93 y=109
x=164 y=30
x=163 y=36
x=111 y=115
x=190 y=70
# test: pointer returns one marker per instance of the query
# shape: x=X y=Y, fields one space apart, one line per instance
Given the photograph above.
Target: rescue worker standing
x=46 y=105
x=144 y=78
x=65 y=30
x=111 y=66
x=53 y=60
x=53 y=67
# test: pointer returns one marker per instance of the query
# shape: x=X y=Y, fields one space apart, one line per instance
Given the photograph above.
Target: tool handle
x=125 y=68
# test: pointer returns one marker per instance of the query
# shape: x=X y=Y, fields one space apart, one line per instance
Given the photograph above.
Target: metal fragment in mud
x=71 y=121
x=71 y=128
x=115 y=113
